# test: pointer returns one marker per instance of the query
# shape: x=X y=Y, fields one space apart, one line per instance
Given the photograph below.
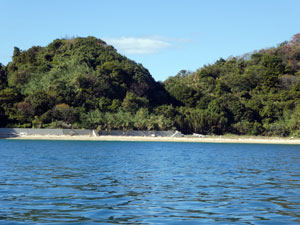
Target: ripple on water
x=63 y=182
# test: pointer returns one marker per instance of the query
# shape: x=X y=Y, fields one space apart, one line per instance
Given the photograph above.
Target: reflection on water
x=53 y=182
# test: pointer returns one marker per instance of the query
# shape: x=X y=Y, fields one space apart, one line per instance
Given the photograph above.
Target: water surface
x=81 y=182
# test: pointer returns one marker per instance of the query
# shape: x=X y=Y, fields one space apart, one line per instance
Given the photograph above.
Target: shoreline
x=219 y=139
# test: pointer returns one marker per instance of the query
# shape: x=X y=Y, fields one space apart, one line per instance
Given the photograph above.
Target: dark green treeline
x=85 y=83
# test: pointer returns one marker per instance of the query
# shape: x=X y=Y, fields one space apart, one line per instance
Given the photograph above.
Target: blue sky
x=165 y=36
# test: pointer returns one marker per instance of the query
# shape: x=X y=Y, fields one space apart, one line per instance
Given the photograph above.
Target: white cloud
x=139 y=45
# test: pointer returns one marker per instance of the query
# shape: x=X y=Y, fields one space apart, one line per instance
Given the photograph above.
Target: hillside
x=85 y=83
x=80 y=82
x=256 y=94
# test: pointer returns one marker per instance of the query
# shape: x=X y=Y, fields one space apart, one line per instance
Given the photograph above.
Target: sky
x=165 y=36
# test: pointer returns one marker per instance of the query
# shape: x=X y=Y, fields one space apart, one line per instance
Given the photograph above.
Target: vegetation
x=85 y=83
x=256 y=94
x=70 y=82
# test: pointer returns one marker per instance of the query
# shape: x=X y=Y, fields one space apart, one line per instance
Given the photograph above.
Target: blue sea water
x=82 y=182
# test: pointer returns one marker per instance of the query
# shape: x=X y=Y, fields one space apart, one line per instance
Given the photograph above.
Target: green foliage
x=140 y=120
x=180 y=90
x=71 y=78
x=65 y=113
x=85 y=83
x=3 y=117
x=3 y=77
x=132 y=103
x=243 y=95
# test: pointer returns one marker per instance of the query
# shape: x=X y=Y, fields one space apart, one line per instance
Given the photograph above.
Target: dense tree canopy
x=254 y=94
x=62 y=83
x=85 y=83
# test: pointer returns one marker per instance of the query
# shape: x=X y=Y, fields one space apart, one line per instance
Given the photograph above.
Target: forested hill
x=81 y=82
x=255 y=94
x=85 y=83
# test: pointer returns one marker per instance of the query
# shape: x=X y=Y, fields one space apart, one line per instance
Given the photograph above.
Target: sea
x=153 y=183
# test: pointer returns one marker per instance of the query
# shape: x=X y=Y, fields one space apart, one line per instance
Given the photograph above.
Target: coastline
x=216 y=139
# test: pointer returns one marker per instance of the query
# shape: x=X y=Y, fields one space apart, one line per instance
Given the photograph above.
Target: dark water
x=65 y=182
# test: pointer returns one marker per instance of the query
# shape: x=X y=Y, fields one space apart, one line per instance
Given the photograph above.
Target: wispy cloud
x=139 y=45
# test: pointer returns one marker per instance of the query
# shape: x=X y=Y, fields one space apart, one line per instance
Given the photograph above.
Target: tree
x=274 y=67
x=64 y=113
x=17 y=52
x=3 y=77
x=131 y=102
x=296 y=39
x=24 y=112
x=3 y=117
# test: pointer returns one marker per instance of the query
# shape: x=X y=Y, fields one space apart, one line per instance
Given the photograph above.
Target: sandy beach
x=216 y=139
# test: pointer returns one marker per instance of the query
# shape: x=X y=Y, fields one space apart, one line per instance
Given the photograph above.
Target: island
x=83 y=83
